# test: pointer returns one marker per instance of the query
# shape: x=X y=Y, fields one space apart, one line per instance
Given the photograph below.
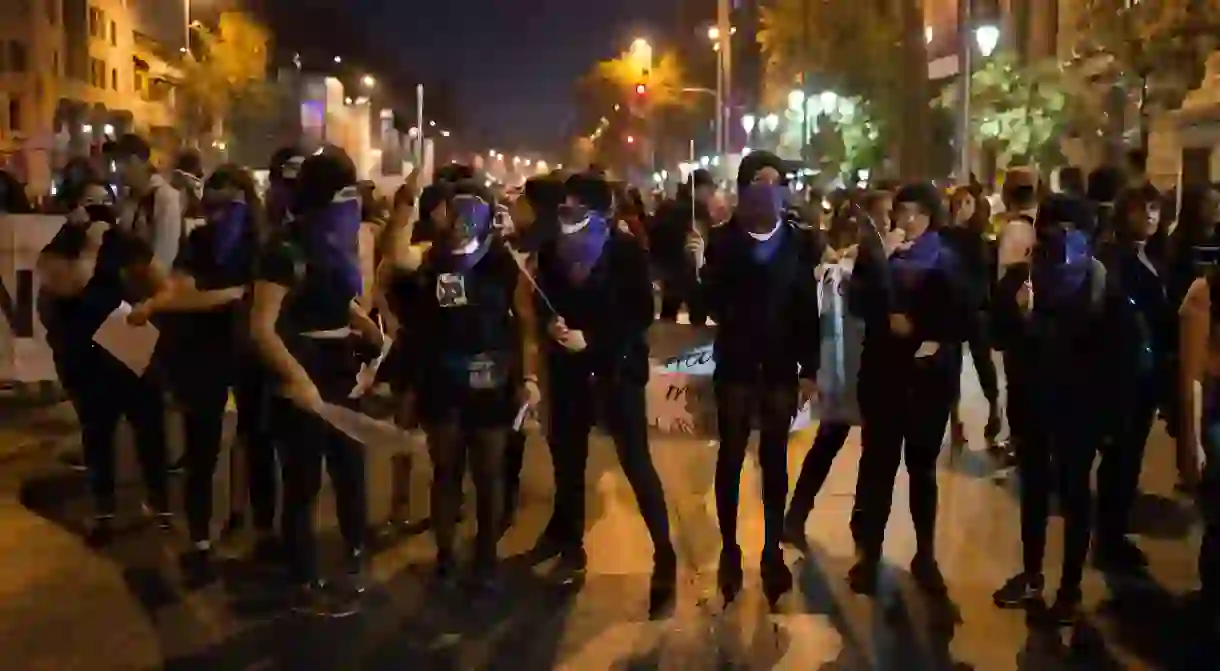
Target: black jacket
x=767 y=314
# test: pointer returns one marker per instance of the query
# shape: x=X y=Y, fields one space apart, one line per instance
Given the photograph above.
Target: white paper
x=367 y=377
x=362 y=428
x=132 y=345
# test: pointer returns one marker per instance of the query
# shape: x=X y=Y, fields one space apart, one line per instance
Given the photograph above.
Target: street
x=63 y=606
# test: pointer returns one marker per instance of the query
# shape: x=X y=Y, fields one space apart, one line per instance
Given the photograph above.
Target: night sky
x=512 y=63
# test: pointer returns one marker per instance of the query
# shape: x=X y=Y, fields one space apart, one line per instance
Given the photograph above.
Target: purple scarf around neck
x=334 y=239
x=580 y=250
x=763 y=251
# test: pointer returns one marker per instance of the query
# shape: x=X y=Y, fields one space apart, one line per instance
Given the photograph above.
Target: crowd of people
x=496 y=305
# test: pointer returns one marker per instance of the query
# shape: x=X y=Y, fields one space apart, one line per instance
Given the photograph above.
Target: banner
x=24 y=355
x=842 y=343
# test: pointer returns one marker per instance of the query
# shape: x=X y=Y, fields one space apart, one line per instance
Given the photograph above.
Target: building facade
x=76 y=72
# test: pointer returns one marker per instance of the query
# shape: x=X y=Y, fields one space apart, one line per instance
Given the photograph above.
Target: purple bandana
x=334 y=239
x=1065 y=279
x=580 y=250
x=762 y=203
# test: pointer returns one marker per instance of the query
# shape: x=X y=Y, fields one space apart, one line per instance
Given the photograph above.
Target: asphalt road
x=64 y=607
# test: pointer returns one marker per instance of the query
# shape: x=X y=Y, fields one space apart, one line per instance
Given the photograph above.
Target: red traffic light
x=641 y=90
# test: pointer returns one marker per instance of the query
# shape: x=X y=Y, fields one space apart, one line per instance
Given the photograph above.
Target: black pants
x=575 y=399
x=736 y=404
x=452 y=449
x=904 y=410
x=1056 y=446
x=678 y=287
x=1122 y=460
x=203 y=420
x=305 y=441
x=829 y=440
x=978 y=342
x=108 y=393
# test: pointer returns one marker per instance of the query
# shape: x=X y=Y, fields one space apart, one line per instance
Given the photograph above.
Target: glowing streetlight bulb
x=369 y=81
x=988 y=38
x=338 y=59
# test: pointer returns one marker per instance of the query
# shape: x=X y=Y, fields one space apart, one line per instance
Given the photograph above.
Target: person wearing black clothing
x=969 y=218
x=474 y=331
x=674 y=222
x=597 y=312
x=86 y=272
x=914 y=312
x=759 y=286
x=1053 y=316
x=211 y=357
x=284 y=166
x=303 y=320
x=1148 y=338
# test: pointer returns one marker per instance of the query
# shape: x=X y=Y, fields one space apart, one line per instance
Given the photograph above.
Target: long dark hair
x=1130 y=201
x=980 y=219
x=231 y=175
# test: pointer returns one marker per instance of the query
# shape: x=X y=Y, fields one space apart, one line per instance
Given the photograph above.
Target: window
x=17 y=60
x=137 y=82
x=114 y=35
x=97 y=23
x=97 y=73
x=14 y=114
x=114 y=78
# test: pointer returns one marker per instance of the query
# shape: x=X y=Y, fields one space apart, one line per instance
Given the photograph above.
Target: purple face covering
x=230 y=221
x=580 y=250
x=760 y=206
x=1066 y=278
x=334 y=239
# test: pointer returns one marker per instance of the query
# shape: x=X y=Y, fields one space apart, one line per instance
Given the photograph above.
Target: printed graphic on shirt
x=451 y=290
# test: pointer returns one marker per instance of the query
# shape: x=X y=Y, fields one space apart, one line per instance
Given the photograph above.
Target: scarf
x=333 y=239
x=764 y=245
x=763 y=203
x=1061 y=276
x=581 y=245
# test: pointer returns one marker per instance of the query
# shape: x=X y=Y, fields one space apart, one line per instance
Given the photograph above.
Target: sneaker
x=1119 y=555
x=926 y=572
x=776 y=576
x=177 y=466
x=100 y=531
x=74 y=461
x=1020 y=591
x=862 y=577
x=991 y=430
x=358 y=570
x=729 y=575
x=794 y=530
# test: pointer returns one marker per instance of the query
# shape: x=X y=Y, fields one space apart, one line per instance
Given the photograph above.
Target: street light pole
x=724 y=104
x=965 y=61
x=419 y=124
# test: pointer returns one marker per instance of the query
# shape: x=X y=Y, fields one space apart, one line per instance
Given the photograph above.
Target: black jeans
x=305 y=441
x=1122 y=461
x=978 y=342
x=575 y=401
x=1058 y=446
x=452 y=448
x=736 y=404
x=203 y=420
x=100 y=400
x=904 y=416
x=829 y=440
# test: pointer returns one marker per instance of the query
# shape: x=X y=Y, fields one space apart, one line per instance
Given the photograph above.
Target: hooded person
x=915 y=313
x=86 y=272
x=595 y=298
x=212 y=359
x=303 y=319
x=758 y=283
x=473 y=362
x=1053 y=314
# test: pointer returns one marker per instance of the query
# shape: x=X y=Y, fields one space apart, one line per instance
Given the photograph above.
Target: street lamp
x=641 y=54
x=986 y=38
x=338 y=59
x=369 y=81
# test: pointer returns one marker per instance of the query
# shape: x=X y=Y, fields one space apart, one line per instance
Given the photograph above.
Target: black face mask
x=102 y=212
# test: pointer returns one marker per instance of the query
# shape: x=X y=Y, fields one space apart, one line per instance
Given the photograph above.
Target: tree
x=226 y=68
x=858 y=49
x=1023 y=111
x=662 y=81
x=1160 y=47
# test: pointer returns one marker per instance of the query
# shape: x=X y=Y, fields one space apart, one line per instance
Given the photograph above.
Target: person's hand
x=304 y=393
x=530 y=393
x=696 y=246
x=574 y=341
x=808 y=392
x=140 y=314
x=1025 y=296
x=895 y=239
x=900 y=325
x=557 y=329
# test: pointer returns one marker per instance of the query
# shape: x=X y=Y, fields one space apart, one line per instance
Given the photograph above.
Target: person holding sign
x=1054 y=314
x=596 y=296
x=473 y=361
x=83 y=274
x=211 y=356
x=303 y=320
x=758 y=281
x=914 y=312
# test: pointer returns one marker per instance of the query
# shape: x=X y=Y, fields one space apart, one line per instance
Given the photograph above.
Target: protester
x=152 y=208
x=760 y=290
x=304 y=317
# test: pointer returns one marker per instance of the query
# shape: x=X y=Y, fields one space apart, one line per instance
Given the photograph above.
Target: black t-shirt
x=214 y=269
x=318 y=299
